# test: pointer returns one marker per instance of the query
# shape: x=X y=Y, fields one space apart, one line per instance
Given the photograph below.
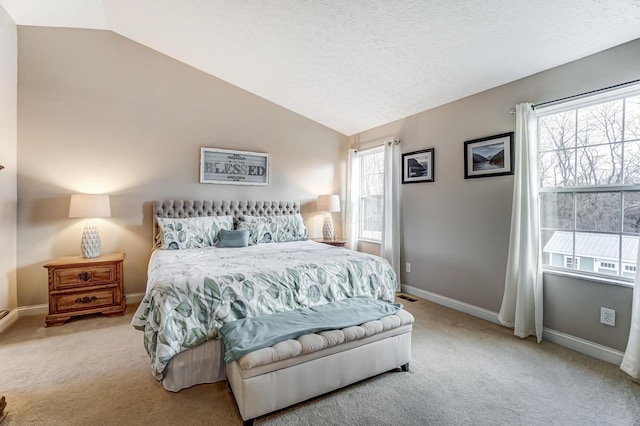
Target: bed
x=193 y=291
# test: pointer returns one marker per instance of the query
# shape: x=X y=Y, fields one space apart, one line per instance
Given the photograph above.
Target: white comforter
x=191 y=293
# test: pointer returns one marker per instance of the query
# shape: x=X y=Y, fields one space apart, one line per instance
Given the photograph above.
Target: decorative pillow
x=237 y=238
x=192 y=232
x=278 y=229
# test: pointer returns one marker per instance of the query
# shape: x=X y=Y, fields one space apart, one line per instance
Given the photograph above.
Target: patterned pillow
x=276 y=229
x=255 y=230
x=192 y=232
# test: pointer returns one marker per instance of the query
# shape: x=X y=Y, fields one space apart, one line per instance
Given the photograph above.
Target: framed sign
x=490 y=156
x=233 y=167
x=417 y=166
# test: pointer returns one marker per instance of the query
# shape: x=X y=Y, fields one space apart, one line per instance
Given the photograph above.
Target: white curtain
x=353 y=198
x=521 y=306
x=390 y=248
x=631 y=360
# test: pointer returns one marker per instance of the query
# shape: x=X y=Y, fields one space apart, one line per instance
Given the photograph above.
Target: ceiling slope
x=354 y=65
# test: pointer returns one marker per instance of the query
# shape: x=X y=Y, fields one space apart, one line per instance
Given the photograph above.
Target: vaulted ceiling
x=353 y=65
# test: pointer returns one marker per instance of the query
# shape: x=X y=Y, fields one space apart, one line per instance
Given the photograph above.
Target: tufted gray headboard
x=194 y=208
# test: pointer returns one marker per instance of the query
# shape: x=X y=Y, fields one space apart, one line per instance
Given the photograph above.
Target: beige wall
x=8 y=144
x=100 y=113
x=456 y=231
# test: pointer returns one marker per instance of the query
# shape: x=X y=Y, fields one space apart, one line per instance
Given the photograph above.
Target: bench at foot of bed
x=273 y=378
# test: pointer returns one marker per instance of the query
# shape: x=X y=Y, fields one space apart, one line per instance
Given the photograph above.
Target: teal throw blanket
x=246 y=335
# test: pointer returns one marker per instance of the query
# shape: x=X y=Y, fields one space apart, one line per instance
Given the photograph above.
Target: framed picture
x=417 y=166
x=233 y=167
x=490 y=156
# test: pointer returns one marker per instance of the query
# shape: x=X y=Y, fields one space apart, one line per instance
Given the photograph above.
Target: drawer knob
x=86 y=299
x=85 y=276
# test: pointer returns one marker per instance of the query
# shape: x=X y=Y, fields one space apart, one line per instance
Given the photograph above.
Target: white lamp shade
x=328 y=203
x=89 y=205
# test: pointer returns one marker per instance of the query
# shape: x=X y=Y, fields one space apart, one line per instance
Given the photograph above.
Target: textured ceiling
x=356 y=64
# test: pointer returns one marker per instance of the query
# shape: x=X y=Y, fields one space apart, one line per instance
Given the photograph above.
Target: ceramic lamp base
x=327 y=228
x=90 y=244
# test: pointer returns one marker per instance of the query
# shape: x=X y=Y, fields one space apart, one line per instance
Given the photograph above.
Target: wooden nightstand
x=337 y=243
x=79 y=286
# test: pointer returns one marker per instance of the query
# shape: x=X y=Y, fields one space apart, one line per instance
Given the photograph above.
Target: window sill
x=598 y=279
x=364 y=240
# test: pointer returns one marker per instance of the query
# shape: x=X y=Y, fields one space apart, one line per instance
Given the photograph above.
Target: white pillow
x=255 y=231
x=275 y=229
x=192 y=232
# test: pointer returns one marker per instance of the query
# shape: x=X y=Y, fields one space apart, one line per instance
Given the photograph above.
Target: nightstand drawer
x=82 y=277
x=87 y=300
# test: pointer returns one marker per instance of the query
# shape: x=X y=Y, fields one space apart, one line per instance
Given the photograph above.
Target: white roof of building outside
x=599 y=246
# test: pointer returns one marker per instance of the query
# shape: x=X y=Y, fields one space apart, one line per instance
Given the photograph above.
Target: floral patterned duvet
x=191 y=293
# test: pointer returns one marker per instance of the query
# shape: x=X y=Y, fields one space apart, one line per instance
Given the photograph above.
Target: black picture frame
x=418 y=166
x=489 y=156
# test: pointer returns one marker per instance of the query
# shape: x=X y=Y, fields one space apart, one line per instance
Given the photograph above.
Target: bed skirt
x=202 y=364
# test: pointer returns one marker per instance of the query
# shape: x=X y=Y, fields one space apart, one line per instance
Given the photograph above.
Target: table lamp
x=90 y=206
x=328 y=203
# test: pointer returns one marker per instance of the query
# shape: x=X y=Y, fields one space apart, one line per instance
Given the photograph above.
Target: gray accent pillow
x=230 y=238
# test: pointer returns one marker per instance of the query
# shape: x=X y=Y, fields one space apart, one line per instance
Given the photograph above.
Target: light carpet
x=464 y=371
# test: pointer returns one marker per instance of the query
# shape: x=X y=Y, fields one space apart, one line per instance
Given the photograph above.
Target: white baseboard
x=11 y=317
x=134 y=298
x=568 y=341
x=25 y=311
x=472 y=310
x=586 y=347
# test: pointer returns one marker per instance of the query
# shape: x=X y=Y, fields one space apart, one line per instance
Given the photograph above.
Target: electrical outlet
x=408 y=267
x=608 y=316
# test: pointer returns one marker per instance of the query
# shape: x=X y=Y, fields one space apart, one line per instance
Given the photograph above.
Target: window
x=589 y=171
x=608 y=265
x=371 y=194
x=571 y=262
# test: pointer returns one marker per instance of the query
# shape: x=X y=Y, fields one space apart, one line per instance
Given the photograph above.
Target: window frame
x=366 y=152
x=621 y=264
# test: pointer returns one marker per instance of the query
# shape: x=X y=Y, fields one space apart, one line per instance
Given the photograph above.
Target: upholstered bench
x=295 y=370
